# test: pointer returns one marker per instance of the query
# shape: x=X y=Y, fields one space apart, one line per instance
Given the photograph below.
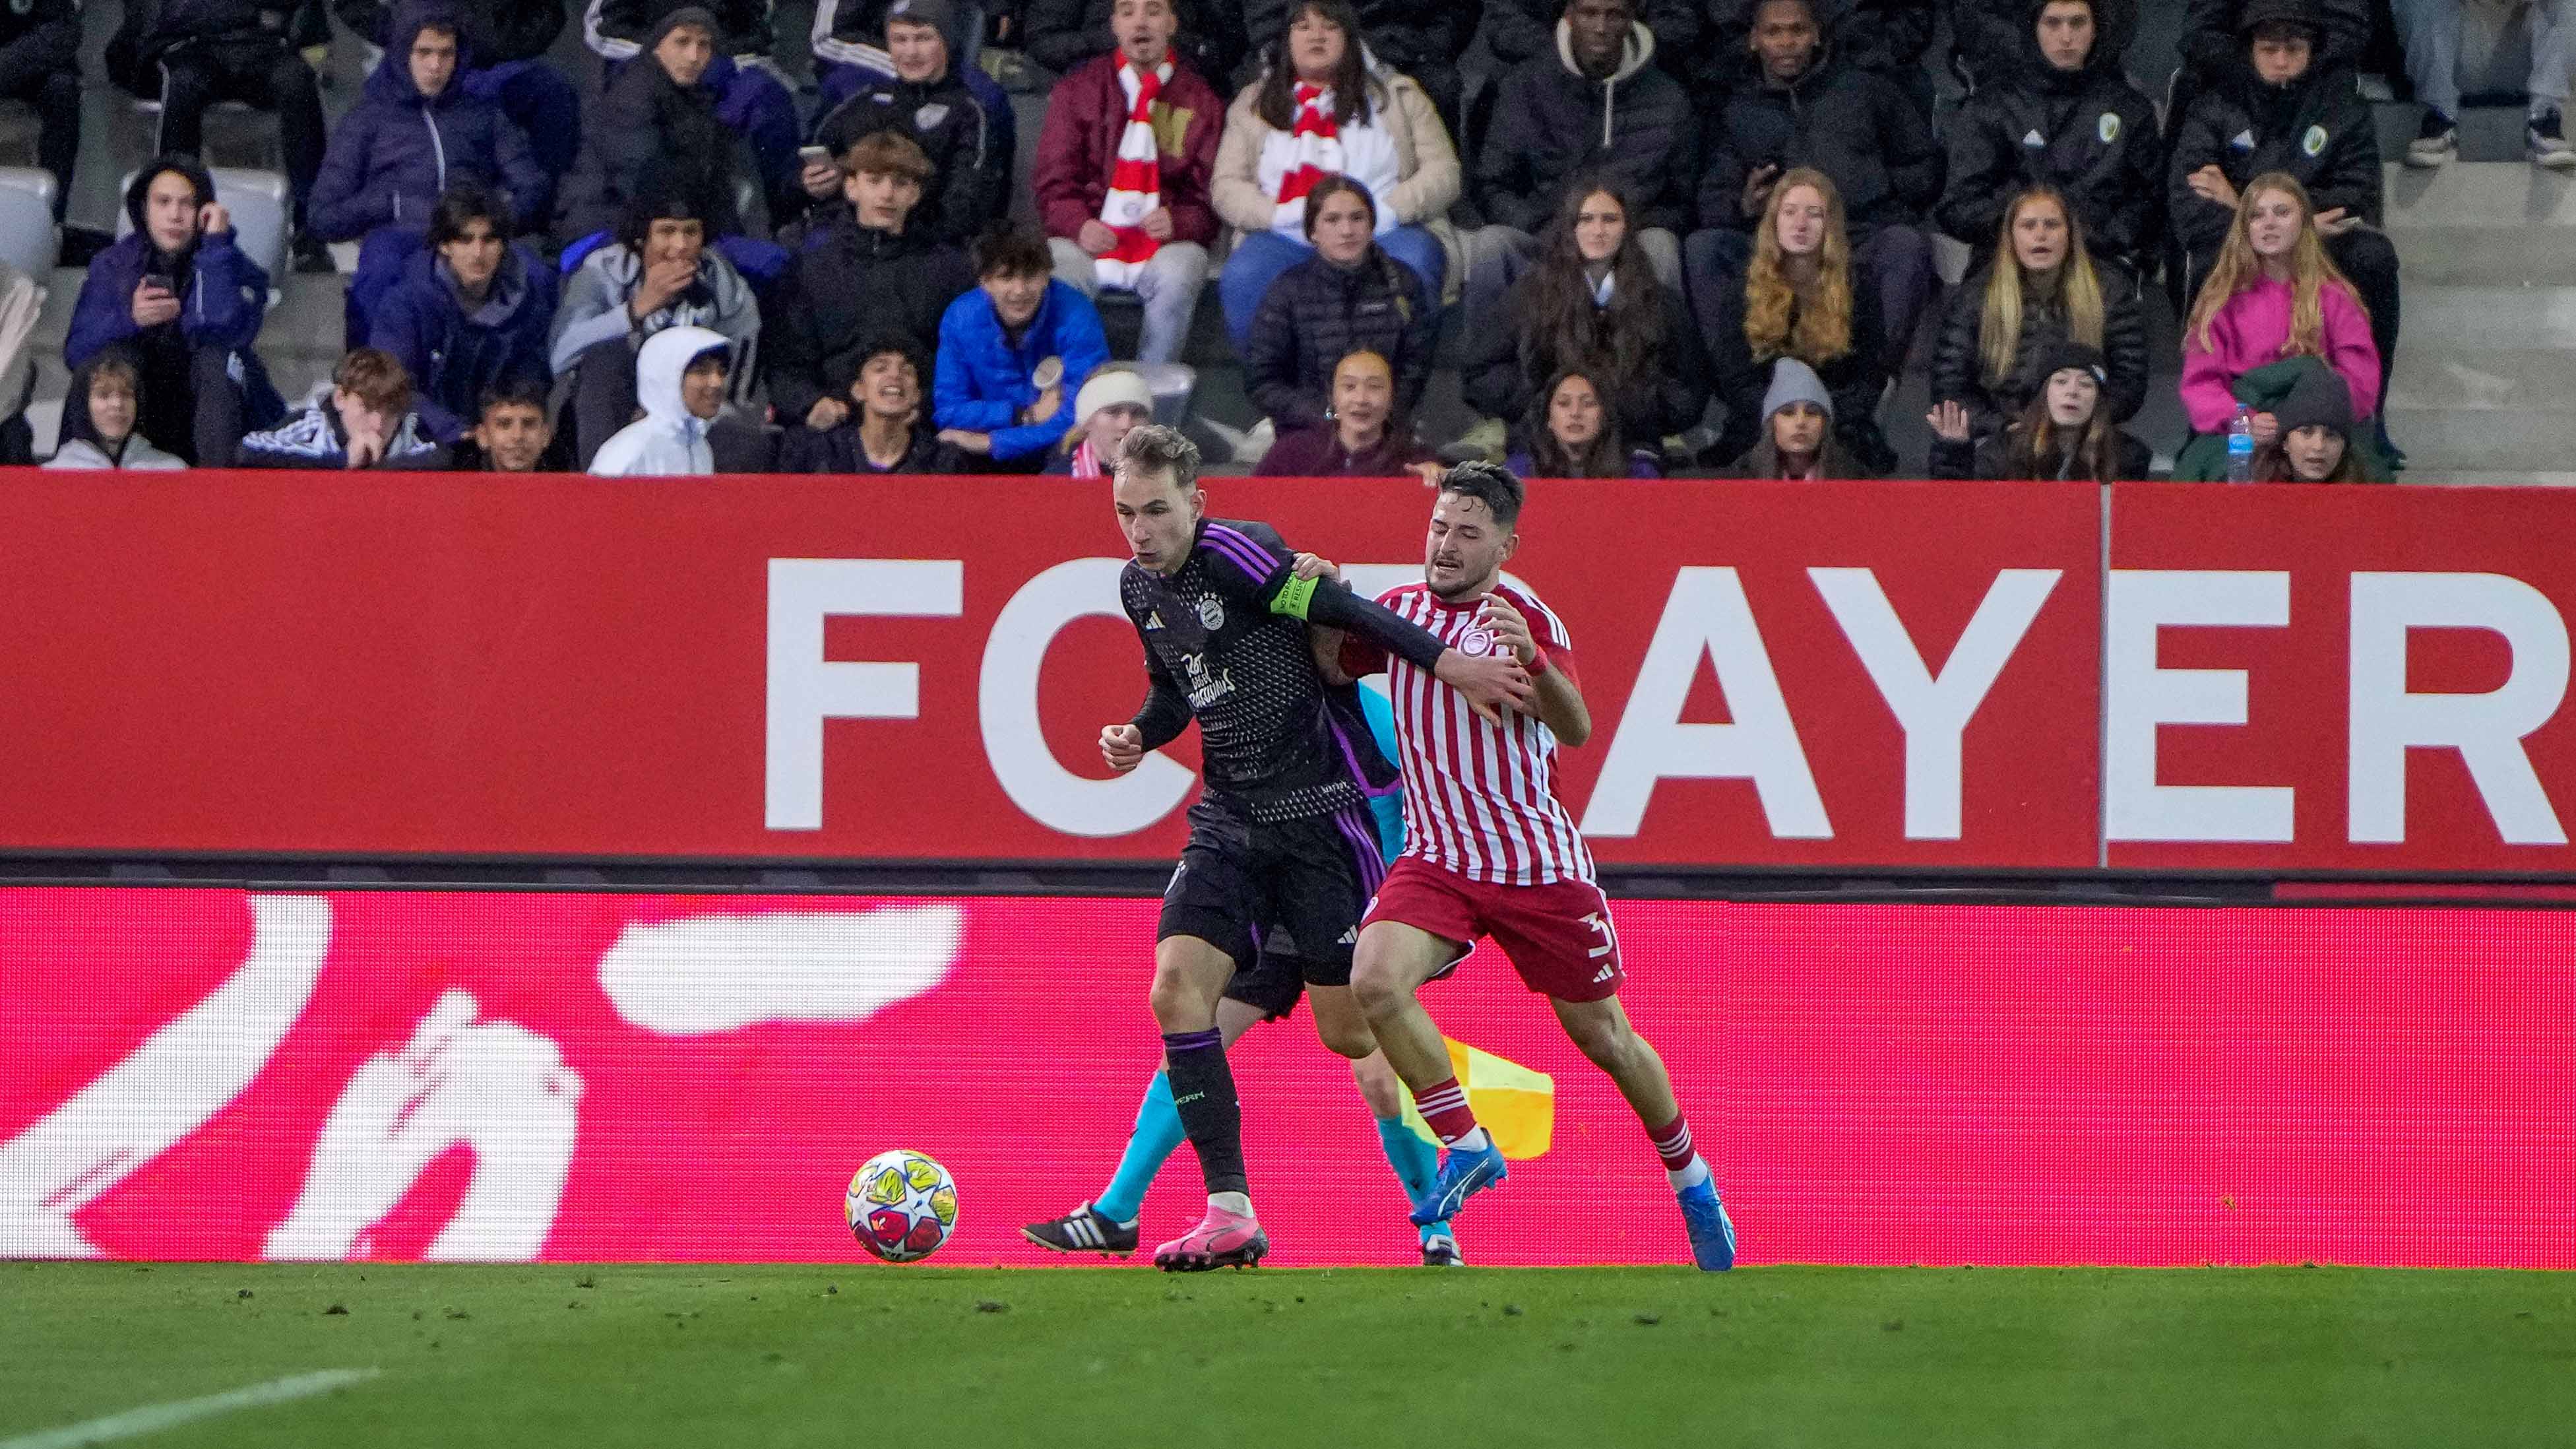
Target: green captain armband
x=1295 y=597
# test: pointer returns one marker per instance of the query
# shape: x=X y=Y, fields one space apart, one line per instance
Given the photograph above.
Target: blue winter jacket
x=397 y=149
x=453 y=355
x=227 y=298
x=983 y=381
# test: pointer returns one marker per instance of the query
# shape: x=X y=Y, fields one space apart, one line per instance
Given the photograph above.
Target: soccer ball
x=901 y=1206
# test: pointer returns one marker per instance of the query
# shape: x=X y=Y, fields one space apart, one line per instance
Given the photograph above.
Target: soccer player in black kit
x=1281 y=842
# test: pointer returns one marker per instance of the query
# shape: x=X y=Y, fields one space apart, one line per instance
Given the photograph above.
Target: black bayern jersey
x=1275 y=739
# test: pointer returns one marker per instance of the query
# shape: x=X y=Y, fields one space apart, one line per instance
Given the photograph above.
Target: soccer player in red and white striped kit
x=1491 y=851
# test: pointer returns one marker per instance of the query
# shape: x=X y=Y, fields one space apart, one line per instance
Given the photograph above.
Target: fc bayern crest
x=1211 y=612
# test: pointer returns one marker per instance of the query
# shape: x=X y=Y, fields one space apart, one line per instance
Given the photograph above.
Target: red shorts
x=1559 y=937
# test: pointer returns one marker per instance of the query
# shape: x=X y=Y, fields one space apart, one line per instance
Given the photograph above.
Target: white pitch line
x=152 y=1418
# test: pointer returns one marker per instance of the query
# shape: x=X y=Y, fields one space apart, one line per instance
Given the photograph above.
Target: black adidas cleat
x=1442 y=1252
x=1084 y=1230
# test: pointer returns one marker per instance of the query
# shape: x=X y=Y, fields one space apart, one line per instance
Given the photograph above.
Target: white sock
x=1237 y=1203
x=1690 y=1176
x=1473 y=1141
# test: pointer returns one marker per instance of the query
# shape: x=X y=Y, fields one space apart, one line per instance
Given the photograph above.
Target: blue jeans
x=537 y=97
x=1259 y=258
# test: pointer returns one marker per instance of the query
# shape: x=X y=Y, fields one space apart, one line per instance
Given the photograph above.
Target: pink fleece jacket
x=2248 y=333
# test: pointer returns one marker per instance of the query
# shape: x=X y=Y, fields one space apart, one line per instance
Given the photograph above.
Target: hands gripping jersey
x=1479 y=800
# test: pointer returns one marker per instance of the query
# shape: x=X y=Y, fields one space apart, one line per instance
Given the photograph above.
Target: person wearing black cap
x=927 y=99
x=657 y=118
x=183 y=304
x=2064 y=434
x=2281 y=110
x=2315 y=444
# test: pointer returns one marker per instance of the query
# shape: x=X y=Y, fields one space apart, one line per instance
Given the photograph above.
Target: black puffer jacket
x=1654 y=395
x=851 y=287
x=2097 y=144
x=497 y=30
x=2317 y=128
x=2213 y=42
x=1553 y=123
x=1517 y=30
x=1062 y=34
x=1316 y=314
x=1959 y=369
x=1856 y=379
x=1853 y=125
x=1883 y=37
x=1990 y=459
x=37 y=40
x=972 y=184
x=646 y=126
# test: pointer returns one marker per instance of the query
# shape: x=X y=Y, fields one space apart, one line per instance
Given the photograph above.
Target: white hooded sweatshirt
x=668 y=440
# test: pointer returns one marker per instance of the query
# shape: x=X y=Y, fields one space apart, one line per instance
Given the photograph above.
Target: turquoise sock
x=1157 y=1136
x=1416 y=1164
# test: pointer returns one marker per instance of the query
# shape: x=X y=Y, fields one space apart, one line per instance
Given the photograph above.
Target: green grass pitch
x=901 y=1357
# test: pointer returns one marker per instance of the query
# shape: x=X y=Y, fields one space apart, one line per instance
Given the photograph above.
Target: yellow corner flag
x=1511 y=1101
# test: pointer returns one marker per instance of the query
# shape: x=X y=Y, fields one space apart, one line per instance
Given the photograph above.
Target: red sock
x=1673 y=1143
x=1445 y=1108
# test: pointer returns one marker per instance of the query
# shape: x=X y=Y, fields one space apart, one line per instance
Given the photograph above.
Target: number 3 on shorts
x=1601 y=927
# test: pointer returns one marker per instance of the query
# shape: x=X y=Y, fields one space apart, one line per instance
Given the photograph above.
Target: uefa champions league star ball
x=901 y=1206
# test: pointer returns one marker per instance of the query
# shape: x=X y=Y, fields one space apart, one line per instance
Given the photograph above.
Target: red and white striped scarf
x=1086 y=464
x=1136 y=182
x=1316 y=142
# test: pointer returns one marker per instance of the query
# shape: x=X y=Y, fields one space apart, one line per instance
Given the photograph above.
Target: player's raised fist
x=1123 y=747
x=1492 y=683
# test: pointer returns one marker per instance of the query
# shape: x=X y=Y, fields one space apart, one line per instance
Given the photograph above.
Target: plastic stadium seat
x=228 y=119
x=29 y=239
x=257 y=200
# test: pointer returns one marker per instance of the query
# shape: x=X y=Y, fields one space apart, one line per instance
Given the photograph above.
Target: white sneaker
x=2435 y=143
x=2549 y=148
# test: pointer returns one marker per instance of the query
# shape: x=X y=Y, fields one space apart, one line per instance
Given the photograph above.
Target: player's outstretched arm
x=1558 y=700
x=1325 y=644
x=1491 y=685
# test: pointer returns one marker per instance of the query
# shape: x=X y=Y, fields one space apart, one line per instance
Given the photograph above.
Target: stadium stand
x=2489 y=240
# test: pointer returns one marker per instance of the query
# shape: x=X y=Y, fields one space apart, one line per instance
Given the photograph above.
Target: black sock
x=1203 y=1090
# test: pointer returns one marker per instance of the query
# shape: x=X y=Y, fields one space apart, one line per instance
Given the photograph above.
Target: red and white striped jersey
x=1478 y=799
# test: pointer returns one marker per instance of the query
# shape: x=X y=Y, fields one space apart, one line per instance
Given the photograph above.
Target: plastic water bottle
x=2240 y=445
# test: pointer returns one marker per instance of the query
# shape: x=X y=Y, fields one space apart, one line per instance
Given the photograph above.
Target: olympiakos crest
x=1211 y=612
x=1476 y=642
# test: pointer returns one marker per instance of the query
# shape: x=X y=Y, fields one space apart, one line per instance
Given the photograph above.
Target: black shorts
x=1283 y=900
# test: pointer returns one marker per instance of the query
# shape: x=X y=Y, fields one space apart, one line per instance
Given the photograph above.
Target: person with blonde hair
x=2273 y=293
x=1805 y=297
x=2042 y=288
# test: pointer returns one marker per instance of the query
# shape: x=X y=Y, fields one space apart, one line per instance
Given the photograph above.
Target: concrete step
x=2440 y=442
x=2487 y=318
x=2478 y=256
x=2510 y=195
x=2482 y=379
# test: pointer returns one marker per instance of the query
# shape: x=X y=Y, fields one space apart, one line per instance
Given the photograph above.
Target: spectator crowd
x=1645 y=208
